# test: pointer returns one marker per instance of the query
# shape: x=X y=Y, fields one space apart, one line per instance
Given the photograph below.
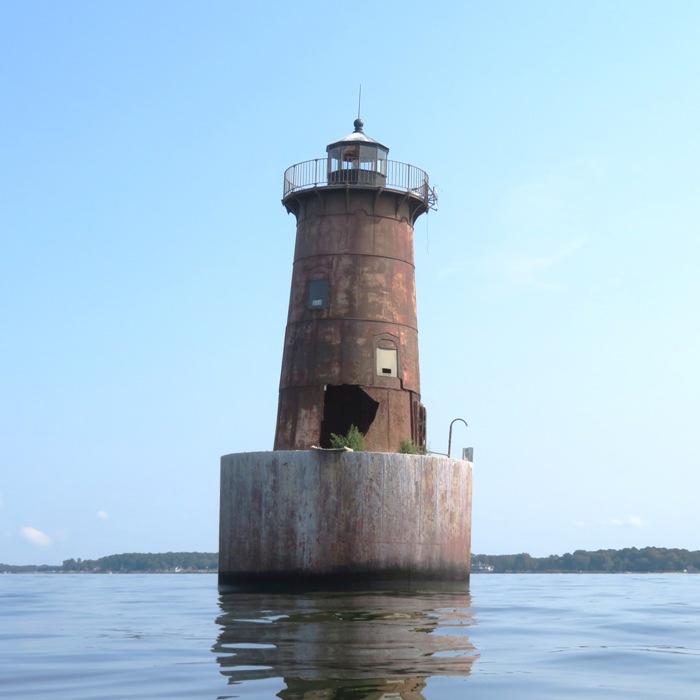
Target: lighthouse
x=310 y=516
x=351 y=343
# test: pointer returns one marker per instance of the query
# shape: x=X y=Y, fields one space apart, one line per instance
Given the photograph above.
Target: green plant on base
x=408 y=447
x=354 y=439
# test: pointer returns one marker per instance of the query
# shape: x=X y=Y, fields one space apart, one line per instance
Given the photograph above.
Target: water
x=80 y=637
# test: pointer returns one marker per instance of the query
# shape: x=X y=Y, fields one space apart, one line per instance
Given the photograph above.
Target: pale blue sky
x=145 y=257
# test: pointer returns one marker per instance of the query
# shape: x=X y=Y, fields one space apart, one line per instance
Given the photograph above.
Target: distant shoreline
x=186 y=573
x=647 y=560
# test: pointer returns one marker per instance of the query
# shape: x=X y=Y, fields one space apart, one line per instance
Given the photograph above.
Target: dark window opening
x=318 y=294
x=386 y=370
x=343 y=406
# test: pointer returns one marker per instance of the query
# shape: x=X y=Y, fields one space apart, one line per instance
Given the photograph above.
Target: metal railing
x=399 y=176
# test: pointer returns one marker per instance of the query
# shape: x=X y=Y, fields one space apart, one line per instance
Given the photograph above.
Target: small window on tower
x=387 y=363
x=318 y=294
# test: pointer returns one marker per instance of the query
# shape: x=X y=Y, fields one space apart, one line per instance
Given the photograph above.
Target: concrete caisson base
x=338 y=520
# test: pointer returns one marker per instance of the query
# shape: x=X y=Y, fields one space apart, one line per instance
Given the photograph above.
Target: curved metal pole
x=449 y=441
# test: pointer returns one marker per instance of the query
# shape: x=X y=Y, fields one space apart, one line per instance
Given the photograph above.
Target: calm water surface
x=79 y=637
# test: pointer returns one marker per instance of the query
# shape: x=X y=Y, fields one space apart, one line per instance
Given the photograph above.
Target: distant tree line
x=137 y=562
x=29 y=569
x=128 y=563
x=647 y=559
x=631 y=559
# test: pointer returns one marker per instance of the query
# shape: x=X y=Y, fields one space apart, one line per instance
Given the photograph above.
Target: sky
x=145 y=257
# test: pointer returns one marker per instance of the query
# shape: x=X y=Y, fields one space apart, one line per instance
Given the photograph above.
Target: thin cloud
x=530 y=270
x=448 y=271
x=35 y=537
x=546 y=220
x=102 y=515
x=631 y=521
x=555 y=201
x=539 y=205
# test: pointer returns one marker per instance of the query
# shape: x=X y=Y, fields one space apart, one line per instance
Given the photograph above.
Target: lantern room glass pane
x=368 y=157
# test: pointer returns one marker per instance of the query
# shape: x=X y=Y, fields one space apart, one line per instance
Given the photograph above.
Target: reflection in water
x=364 y=646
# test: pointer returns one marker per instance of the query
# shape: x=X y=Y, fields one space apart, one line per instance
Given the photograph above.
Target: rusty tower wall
x=363 y=335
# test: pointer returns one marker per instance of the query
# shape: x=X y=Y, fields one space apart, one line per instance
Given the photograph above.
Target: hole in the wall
x=343 y=406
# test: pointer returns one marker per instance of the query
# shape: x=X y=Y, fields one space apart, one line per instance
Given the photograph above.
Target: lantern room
x=357 y=159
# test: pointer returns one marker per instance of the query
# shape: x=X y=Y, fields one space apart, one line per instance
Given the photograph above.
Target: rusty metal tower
x=351 y=343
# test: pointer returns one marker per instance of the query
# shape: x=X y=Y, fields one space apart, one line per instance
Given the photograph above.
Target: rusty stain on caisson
x=306 y=516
